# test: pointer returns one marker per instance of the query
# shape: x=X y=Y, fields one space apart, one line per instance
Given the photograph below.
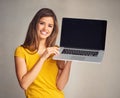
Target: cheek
x=37 y=27
x=51 y=30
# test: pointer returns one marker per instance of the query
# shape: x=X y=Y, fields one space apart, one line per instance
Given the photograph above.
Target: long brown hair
x=31 y=41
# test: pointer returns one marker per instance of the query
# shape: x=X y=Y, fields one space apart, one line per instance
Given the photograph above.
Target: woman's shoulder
x=19 y=48
x=19 y=51
x=24 y=50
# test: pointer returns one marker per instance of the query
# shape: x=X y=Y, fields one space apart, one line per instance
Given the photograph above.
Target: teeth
x=44 y=32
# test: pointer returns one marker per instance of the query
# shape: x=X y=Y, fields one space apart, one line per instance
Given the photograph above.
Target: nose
x=45 y=27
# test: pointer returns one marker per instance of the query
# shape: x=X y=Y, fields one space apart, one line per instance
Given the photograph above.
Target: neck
x=42 y=44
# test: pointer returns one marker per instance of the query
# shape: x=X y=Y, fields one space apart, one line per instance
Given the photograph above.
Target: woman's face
x=45 y=27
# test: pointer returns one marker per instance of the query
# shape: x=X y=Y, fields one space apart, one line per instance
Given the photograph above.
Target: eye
x=51 y=26
x=41 y=23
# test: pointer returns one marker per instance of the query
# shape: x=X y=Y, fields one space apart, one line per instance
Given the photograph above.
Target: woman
x=38 y=74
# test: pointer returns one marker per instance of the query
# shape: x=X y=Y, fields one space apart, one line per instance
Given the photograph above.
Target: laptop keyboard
x=79 y=52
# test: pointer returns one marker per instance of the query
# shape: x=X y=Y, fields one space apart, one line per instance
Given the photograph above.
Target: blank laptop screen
x=83 y=33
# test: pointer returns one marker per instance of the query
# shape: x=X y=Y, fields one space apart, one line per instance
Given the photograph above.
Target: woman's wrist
x=42 y=59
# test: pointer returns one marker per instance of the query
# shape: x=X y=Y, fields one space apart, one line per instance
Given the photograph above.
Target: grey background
x=87 y=80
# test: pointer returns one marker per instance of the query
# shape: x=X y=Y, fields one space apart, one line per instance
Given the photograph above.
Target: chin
x=44 y=37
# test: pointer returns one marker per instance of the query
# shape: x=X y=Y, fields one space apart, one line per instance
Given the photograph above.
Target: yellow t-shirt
x=44 y=86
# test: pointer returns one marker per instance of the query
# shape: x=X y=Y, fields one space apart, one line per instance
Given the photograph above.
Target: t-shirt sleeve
x=19 y=51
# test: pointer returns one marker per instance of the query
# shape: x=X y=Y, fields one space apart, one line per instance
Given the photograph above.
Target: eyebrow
x=43 y=21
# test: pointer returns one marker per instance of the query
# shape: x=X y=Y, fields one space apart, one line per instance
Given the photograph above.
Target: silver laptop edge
x=71 y=57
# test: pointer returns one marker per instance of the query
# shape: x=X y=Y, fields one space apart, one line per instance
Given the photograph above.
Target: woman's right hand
x=50 y=51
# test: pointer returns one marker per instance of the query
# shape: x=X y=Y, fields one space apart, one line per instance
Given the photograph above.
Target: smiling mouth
x=43 y=32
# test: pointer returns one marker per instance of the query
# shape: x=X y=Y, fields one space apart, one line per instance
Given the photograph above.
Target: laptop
x=82 y=40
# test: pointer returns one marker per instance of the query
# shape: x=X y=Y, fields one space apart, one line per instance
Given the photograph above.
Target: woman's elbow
x=60 y=87
x=23 y=86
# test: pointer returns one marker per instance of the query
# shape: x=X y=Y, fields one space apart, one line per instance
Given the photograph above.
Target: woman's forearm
x=64 y=76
